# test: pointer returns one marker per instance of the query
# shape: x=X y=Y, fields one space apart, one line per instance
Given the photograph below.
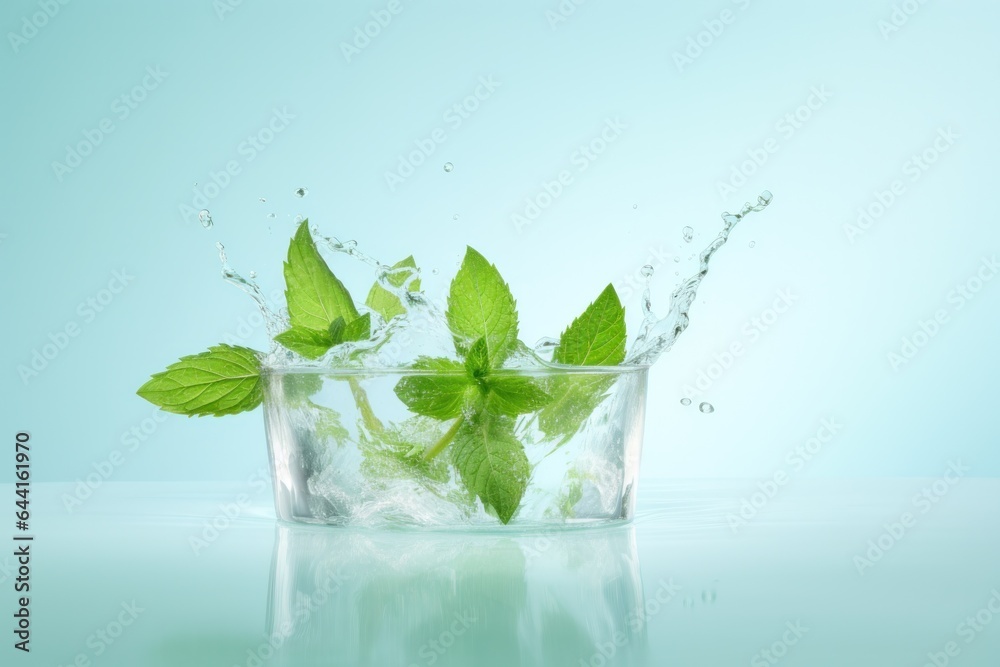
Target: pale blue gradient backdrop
x=686 y=128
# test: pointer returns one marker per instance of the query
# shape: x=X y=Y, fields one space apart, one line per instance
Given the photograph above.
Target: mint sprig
x=224 y=380
x=480 y=305
x=491 y=462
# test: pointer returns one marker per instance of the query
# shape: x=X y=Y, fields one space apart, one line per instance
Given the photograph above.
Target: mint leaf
x=441 y=394
x=335 y=331
x=491 y=462
x=597 y=337
x=225 y=380
x=477 y=362
x=384 y=302
x=480 y=305
x=306 y=342
x=389 y=455
x=357 y=329
x=315 y=296
x=514 y=395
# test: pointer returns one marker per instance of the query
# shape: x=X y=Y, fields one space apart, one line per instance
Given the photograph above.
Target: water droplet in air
x=707 y=408
x=765 y=197
x=685 y=401
x=271 y=216
x=299 y=218
x=205 y=218
x=753 y=243
x=677 y=259
x=647 y=271
x=455 y=217
x=688 y=234
x=635 y=206
x=434 y=271
x=301 y=192
x=253 y=274
x=448 y=167
x=261 y=200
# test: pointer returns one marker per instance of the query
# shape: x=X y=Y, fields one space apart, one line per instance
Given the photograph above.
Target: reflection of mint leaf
x=480 y=305
x=491 y=462
x=306 y=342
x=595 y=338
x=225 y=380
x=441 y=393
x=384 y=302
x=315 y=296
x=514 y=395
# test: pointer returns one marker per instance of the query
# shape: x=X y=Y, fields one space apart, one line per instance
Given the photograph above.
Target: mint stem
x=445 y=439
x=372 y=422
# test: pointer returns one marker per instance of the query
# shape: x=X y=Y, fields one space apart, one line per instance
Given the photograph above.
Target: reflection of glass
x=349 y=597
x=346 y=450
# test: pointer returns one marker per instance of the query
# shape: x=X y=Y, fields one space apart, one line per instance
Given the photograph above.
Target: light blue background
x=687 y=128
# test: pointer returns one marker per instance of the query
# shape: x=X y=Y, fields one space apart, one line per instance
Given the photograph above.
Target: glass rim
x=547 y=370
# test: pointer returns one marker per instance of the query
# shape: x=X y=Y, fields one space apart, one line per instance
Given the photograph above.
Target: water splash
x=688 y=234
x=449 y=167
x=657 y=335
x=275 y=323
x=205 y=218
x=301 y=192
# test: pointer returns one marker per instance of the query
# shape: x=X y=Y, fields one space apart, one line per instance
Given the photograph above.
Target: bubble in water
x=707 y=408
x=647 y=271
x=301 y=192
x=205 y=218
x=753 y=243
x=685 y=401
x=449 y=167
x=688 y=234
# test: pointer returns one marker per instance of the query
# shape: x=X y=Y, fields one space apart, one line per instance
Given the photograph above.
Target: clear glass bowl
x=345 y=450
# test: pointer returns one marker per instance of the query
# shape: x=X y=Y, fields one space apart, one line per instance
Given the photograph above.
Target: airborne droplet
x=647 y=271
x=688 y=234
x=449 y=167
x=301 y=192
x=753 y=243
x=205 y=218
x=707 y=408
x=685 y=401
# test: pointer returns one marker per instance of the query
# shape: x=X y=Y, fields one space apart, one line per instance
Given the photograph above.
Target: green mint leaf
x=514 y=395
x=306 y=342
x=315 y=296
x=388 y=456
x=336 y=331
x=384 y=302
x=441 y=393
x=491 y=462
x=223 y=381
x=597 y=337
x=357 y=329
x=477 y=361
x=480 y=305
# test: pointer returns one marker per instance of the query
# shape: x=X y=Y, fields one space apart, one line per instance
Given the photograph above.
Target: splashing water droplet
x=301 y=192
x=677 y=259
x=635 y=206
x=299 y=218
x=688 y=234
x=707 y=408
x=455 y=217
x=261 y=200
x=271 y=216
x=252 y=274
x=647 y=271
x=434 y=271
x=765 y=198
x=685 y=401
x=449 y=167
x=753 y=243
x=205 y=218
